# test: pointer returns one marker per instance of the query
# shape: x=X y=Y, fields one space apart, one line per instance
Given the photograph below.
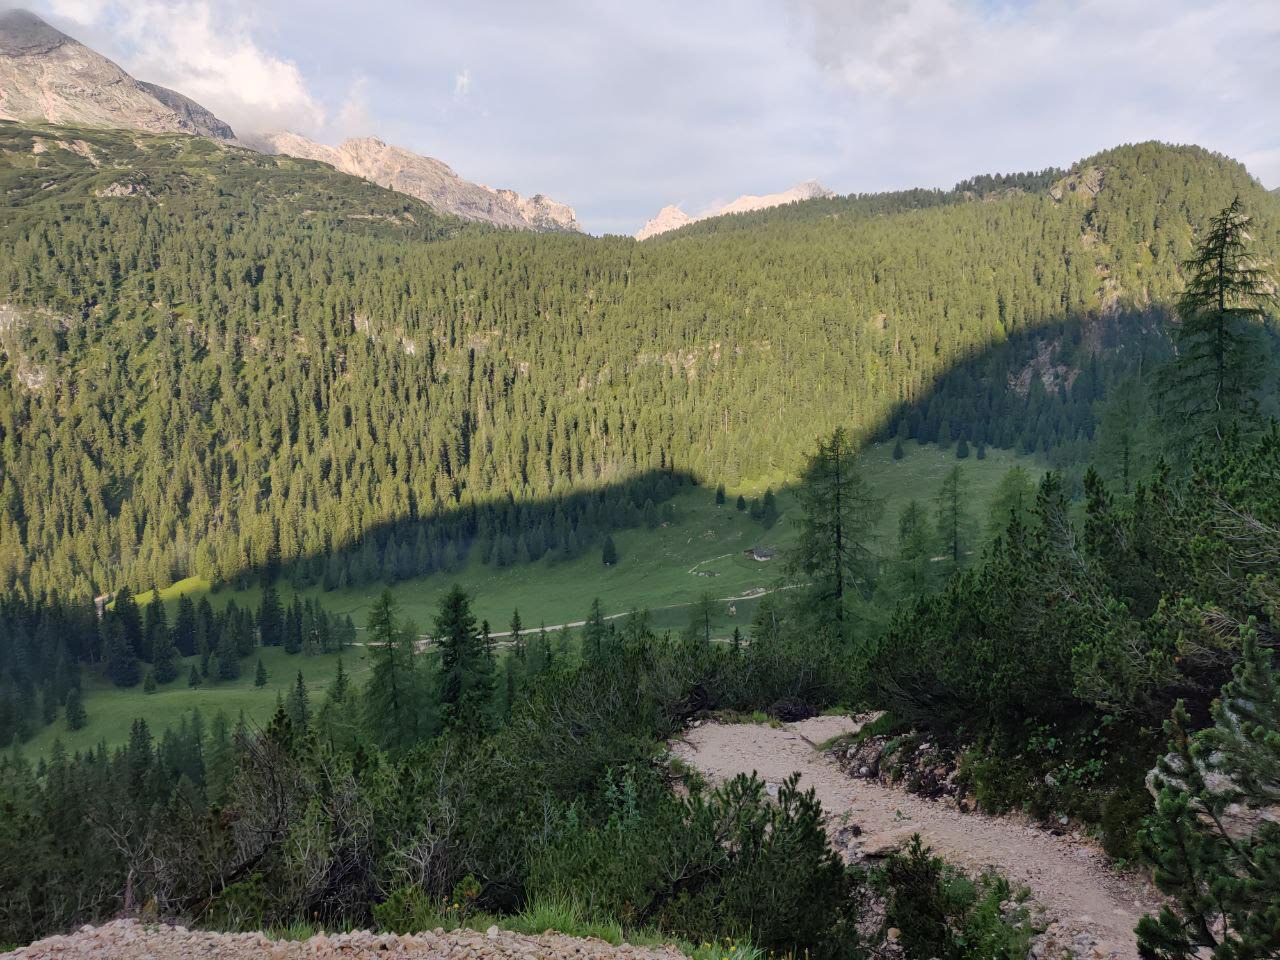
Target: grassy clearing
x=663 y=570
x=112 y=710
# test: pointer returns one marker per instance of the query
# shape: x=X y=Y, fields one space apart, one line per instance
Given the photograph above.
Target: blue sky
x=618 y=108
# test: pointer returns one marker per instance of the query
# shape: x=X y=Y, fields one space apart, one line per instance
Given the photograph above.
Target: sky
x=619 y=108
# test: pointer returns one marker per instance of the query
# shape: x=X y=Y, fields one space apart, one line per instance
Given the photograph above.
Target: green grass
x=111 y=710
x=663 y=570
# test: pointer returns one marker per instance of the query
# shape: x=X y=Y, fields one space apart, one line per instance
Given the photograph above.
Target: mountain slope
x=47 y=76
x=672 y=217
x=338 y=381
x=428 y=179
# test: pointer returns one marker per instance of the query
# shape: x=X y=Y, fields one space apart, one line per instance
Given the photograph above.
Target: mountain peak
x=23 y=34
x=49 y=77
x=671 y=217
x=430 y=180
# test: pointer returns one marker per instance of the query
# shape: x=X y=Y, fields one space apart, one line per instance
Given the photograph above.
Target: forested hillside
x=216 y=361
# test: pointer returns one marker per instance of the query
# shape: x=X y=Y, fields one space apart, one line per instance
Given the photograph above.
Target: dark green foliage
x=466 y=665
x=1212 y=383
x=298 y=704
x=76 y=715
x=741 y=503
x=396 y=698
x=121 y=661
x=194 y=679
x=768 y=509
x=1224 y=883
x=271 y=625
x=260 y=674
x=753 y=869
x=941 y=913
x=609 y=552
x=322 y=415
x=838 y=514
x=149 y=683
x=720 y=495
x=954 y=525
x=912 y=571
x=898 y=452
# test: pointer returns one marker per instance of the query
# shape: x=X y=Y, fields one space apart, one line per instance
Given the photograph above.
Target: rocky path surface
x=130 y=940
x=1090 y=909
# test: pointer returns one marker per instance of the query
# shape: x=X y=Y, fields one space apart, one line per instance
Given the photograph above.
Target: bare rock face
x=672 y=217
x=47 y=77
x=426 y=178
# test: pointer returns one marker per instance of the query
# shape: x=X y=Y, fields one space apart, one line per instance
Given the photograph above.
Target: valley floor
x=1089 y=908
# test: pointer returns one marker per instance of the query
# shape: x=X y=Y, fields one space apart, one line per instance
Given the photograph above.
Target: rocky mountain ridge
x=671 y=217
x=430 y=180
x=48 y=77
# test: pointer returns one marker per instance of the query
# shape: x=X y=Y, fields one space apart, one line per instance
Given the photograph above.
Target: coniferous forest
x=255 y=370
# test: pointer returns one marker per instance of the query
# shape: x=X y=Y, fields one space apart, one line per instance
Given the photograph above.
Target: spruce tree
x=341 y=684
x=121 y=661
x=1212 y=383
x=270 y=617
x=913 y=567
x=594 y=632
x=953 y=520
x=1224 y=883
x=466 y=680
x=720 y=497
x=741 y=503
x=609 y=552
x=298 y=704
x=769 y=509
x=260 y=674
x=149 y=684
x=76 y=716
x=837 y=516
x=393 y=696
x=193 y=678
x=516 y=630
x=165 y=657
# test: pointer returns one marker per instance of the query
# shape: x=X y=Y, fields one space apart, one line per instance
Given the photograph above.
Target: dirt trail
x=1091 y=910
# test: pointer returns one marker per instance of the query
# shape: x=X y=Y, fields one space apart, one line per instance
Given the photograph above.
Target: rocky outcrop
x=426 y=178
x=47 y=77
x=672 y=217
x=130 y=940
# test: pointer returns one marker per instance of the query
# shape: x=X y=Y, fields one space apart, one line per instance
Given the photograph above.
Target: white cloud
x=206 y=51
x=462 y=84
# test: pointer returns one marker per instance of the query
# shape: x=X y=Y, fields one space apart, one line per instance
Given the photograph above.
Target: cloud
x=461 y=84
x=207 y=51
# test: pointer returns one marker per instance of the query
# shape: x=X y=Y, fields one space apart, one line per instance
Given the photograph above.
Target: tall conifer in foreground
x=1212 y=383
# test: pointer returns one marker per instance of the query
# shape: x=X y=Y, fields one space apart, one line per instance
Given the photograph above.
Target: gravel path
x=1090 y=908
x=130 y=940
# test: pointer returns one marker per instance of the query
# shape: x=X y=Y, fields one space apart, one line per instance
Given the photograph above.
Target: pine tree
x=165 y=657
x=953 y=518
x=121 y=661
x=466 y=679
x=393 y=694
x=516 y=630
x=913 y=567
x=769 y=509
x=838 y=514
x=260 y=674
x=594 y=632
x=341 y=684
x=298 y=704
x=609 y=552
x=1225 y=886
x=1212 y=383
x=270 y=617
x=76 y=716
